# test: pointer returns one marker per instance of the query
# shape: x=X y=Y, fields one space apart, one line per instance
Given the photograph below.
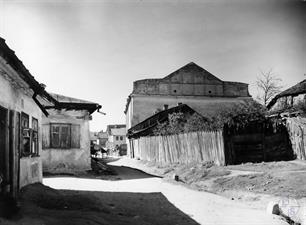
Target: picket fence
x=180 y=148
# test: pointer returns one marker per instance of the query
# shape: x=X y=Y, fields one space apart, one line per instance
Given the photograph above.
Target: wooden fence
x=297 y=133
x=257 y=142
x=180 y=148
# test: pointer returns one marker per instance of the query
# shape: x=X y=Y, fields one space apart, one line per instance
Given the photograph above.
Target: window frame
x=25 y=135
x=35 y=137
x=60 y=141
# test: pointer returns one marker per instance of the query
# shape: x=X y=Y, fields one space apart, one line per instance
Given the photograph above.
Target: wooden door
x=3 y=149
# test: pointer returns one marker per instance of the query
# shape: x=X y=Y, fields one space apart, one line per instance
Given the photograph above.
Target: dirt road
x=203 y=208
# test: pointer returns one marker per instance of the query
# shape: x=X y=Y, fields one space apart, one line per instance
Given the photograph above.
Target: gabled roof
x=295 y=90
x=69 y=103
x=147 y=126
x=193 y=67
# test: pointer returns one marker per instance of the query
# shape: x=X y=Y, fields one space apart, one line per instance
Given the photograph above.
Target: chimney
x=179 y=103
x=165 y=107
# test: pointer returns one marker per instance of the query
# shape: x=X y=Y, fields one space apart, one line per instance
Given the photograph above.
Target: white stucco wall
x=68 y=160
x=15 y=98
x=30 y=171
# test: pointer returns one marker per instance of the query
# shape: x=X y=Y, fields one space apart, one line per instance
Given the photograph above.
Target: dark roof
x=10 y=56
x=192 y=67
x=147 y=126
x=39 y=89
x=69 y=103
x=295 y=90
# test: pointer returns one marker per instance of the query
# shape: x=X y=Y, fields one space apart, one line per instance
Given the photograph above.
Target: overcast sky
x=94 y=50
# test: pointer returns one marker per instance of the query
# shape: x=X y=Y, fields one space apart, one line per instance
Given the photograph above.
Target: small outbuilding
x=66 y=135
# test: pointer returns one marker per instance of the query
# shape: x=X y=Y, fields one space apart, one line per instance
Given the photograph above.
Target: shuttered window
x=34 y=136
x=61 y=136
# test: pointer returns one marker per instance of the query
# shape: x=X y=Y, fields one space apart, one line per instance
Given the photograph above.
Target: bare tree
x=269 y=86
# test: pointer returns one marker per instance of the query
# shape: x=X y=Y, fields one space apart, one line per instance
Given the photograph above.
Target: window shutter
x=75 y=136
x=65 y=136
x=45 y=136
x=55 y=136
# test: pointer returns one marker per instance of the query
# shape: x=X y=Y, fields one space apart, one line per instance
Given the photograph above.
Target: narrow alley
x=139 y=198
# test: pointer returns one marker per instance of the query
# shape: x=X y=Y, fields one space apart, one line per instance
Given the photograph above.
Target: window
x=62 y=136
x=117 y=138
x=29 y=136
x=34 y=149
x=26 y=135
x=121 y=138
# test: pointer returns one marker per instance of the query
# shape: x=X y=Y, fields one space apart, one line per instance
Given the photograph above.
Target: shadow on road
x=93 y=207
x=103 y=171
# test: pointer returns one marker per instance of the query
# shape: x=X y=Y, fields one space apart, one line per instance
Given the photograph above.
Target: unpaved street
x=203 y=208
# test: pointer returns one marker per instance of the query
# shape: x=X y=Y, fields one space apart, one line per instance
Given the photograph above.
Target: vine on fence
x=237 y=115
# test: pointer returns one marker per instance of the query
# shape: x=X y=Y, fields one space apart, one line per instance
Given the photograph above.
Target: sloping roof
x=203 y=77
x=63 y=98
x=192 y=67
x=147 y=126
x=54 y=100
x=69 y=103
x=295 y=90
x=10 y=56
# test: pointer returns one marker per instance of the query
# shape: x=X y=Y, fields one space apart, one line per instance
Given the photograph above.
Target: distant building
x=66 y=136
x=116 y=137
x=289 y=98
x=102 y=138
x=99 y=138
x=146 y=127
x=190 y=85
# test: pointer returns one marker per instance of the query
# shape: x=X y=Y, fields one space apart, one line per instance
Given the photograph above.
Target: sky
x=95 y=49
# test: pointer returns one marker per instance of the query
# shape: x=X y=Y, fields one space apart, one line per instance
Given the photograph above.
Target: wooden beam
x=40 y=105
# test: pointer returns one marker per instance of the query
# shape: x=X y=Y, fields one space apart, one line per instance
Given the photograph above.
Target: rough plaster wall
x=286 y=101
x=30 y=171
x=68 y=160
x=11 y=98
x=196 y=83
x=145 y=106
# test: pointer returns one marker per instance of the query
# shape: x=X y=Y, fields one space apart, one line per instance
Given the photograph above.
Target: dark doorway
x=3 y=147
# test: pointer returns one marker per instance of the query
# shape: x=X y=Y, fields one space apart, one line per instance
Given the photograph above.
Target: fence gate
x=256 y=143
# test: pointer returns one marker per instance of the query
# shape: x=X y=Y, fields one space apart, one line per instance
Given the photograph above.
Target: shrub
x=238 y=115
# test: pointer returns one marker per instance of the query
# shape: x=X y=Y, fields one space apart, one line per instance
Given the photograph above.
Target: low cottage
x=66 y=136
x=20 y=119
x=289 y=98
x=291 y=106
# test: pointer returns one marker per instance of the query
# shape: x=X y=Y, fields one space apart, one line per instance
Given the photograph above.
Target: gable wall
x=190 y=85
x=67 y=160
